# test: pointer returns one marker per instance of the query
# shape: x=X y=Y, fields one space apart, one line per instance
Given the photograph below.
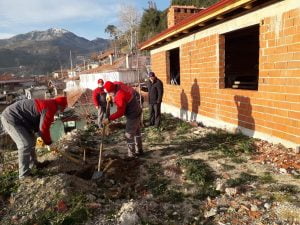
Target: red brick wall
x=273 y=109
x=179 y=13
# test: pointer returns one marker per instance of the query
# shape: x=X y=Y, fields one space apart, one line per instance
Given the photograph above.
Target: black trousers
x=155 y=114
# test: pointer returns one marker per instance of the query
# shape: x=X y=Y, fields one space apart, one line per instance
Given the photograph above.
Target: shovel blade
x=97 y=175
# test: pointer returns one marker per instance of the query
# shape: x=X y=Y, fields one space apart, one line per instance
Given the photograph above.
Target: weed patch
x=267 y=179
x=227 y=167
x=173 y=196
x=156 y=183
x=183 y=128
x=154 y=135
x=244 y=178
x=200 y=174
x=238 y=160
x=285 y=188
x=76 y=213
x=9 y=183
x=230 y=145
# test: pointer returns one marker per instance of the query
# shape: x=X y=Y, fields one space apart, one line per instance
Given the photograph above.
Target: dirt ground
x=189 y=174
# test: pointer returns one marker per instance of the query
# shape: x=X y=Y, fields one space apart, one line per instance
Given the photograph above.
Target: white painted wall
x=210 y=122
x=90 y=80
x=72 y=85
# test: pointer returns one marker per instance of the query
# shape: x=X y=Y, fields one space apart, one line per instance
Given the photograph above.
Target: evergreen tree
x=153 y=21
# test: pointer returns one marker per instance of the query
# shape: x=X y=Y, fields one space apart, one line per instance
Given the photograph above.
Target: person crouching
x=23 y=119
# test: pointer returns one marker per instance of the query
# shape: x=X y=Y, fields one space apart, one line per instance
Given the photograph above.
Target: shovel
x=98 y=174
x=66 y=155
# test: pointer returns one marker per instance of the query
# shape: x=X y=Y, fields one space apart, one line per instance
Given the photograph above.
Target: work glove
x=105 y=122
x=108 y=98
x=40 y=143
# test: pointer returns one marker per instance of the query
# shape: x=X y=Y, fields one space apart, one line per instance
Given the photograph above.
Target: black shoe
x=42 y=165
x=26 y=178
x=139 y=153
x=131 y=156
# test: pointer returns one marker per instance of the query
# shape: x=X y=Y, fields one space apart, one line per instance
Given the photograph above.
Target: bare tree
x=129 y=17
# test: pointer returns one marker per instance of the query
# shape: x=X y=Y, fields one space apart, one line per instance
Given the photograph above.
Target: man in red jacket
x=99 y=99
x=26 y=117
x=126 y=100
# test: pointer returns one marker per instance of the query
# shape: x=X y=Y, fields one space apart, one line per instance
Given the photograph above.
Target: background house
x=123 y=69
x=234 y=65
x=36 y=92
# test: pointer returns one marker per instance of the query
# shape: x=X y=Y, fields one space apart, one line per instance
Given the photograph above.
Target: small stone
x=244 y=207
x=283 y=171
x=149 y=196
x=112 y=181
x=254 y=208
x=175 y=213
x=210 y=213
x=197 y=132
x=128 y=214
x=231 y=191
x=220 y=185
x=62 y=206
x=267 y=205
x=220 y=223
x=91 y=197
x=208 y=199
x=223 y=209
x=15 y=218
x=93 y=205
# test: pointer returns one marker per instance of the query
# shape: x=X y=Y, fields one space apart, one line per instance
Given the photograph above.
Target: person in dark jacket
x=155 y=94
x=126 y=100
x=26 y=117
x=99 y=99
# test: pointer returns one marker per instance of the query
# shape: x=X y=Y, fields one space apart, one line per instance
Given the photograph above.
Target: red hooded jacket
x=35 y=115
x=96 y=96
x=47 y=109
x=123 y=100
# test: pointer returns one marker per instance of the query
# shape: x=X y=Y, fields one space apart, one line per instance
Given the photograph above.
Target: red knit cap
x=100 y=81
x=109 y=86
x=61 y=101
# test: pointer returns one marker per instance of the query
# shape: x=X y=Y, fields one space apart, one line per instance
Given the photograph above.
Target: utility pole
x=71 y=63
x=138 y=74
x=61 y=73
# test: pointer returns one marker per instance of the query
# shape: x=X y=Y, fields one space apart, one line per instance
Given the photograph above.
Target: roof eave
x=198 y=19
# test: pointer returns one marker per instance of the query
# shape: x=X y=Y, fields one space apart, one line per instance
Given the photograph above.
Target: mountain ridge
x=44 y=51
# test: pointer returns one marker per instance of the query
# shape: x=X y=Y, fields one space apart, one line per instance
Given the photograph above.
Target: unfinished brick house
x=234 y=65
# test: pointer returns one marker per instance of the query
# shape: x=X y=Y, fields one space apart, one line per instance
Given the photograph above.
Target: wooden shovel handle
x=66 y=155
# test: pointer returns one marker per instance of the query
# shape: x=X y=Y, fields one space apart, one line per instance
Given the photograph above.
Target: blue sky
x=86 y=18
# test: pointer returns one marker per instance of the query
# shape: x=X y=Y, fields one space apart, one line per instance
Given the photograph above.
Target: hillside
x=44 y=51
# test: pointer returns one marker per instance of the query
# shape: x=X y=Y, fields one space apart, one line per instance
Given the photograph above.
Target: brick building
x=234 y=65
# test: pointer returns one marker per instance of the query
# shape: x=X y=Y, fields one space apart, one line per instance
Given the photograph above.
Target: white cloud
x=31 y=12
x=5 y=35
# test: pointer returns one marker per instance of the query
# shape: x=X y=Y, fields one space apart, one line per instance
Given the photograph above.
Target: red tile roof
x=222 y=7
x=118 y=63
x=79 y=97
